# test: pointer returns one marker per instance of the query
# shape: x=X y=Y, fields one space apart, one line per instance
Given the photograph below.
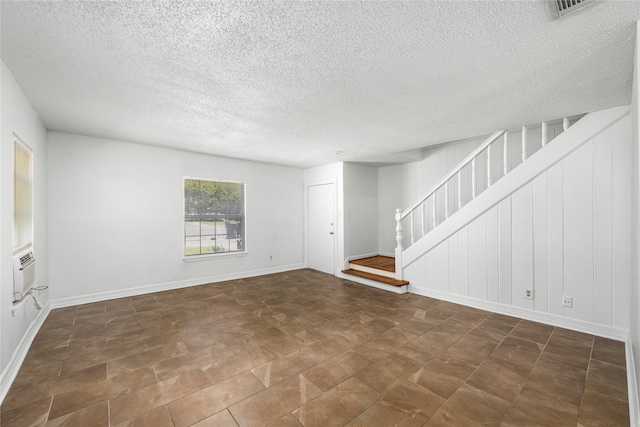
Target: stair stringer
x=562 y=146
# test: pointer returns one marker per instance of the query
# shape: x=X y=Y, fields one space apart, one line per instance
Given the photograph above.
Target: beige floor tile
x=305 y=348
x=332 y=372
x=94 y=416
x=221 y=419
x=470 y=406
x=492 y=330
x=88 y=395
x=532 y=331
x=610 y=351
x=408 y=404
x=607 y=378
x=533 y=407
x=157 y=417
x=133 y=403
x=561 y=381
x=267 y=406
x=32 y=414
x=443 y=376
x=337 y=406
x=213 y=399
x=600 y=410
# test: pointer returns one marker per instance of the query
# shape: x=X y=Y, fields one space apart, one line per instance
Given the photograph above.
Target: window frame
x=17 y=244
x=243 y=215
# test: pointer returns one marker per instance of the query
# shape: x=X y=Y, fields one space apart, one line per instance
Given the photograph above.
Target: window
x=22 y=196
x=213 y=217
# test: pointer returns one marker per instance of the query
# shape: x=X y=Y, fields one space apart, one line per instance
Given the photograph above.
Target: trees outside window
x=214 y=217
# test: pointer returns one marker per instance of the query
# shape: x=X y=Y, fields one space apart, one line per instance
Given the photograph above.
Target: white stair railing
x=416 y=217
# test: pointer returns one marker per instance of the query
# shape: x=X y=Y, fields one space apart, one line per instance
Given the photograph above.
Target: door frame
x=336 y=235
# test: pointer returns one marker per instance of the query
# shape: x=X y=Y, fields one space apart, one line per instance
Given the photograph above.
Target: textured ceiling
x=293 y=82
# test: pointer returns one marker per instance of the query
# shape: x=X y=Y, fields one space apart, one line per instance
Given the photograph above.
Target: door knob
x=331 y=232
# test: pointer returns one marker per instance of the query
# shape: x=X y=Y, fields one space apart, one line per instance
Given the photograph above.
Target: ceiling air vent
x=568 y=6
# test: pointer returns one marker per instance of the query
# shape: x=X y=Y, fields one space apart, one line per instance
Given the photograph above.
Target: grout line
x=529 y=375
x=586 y=377
x=50 y=405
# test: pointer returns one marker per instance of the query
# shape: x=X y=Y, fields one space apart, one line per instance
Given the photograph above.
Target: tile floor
x=306 y=348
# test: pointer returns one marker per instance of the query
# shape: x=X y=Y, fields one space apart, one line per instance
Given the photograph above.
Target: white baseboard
x=11 y=371
x=591 y=328
x=632 y=384
x=159 y=287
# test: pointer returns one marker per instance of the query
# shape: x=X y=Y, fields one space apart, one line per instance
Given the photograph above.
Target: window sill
x=207 y=257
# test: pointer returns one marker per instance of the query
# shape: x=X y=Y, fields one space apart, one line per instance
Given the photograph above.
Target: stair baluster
x=457 y=176
x=505 y=155
x=525 y=148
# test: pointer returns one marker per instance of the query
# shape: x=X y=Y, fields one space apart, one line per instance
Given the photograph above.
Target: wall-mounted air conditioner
x=24 y=272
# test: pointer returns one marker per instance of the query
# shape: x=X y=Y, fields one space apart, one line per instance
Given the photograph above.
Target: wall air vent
x=568 y=6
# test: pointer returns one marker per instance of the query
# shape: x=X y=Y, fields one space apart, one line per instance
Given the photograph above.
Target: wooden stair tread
x=380 y=262
x=377 y=278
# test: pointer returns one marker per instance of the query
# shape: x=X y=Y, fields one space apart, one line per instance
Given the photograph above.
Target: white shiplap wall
x=566 y=232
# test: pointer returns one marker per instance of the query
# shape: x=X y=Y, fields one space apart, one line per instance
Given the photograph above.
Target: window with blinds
x=22 y=196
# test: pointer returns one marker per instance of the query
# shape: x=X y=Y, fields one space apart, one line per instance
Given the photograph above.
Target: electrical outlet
x=270 y=257
x=567 y=301
x=528 y=293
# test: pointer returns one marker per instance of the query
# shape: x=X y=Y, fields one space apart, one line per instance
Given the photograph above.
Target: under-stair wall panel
x=504 y=251
x=493 y=269
x=463 y=261
x=602 y=234
x=555 y=248
x=621 y=218
x=454 y=270
x=578 y=210
x=565 y=232
x=478 y=262
x=540 y=242
x=441 y=269
x=522 y=245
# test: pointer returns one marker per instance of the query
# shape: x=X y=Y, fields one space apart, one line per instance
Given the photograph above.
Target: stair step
x=380 y=262
x=381 y=265
x=376 y=277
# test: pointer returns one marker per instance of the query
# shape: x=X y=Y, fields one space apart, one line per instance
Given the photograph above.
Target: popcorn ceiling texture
x=294 y=82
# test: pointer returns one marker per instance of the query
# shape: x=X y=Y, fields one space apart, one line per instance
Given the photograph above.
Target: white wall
x=360 y=210
x=389 y=199
x=116 y=218
x=398 y=187
x=564 y=233
x=634 y=300
x=19 y=118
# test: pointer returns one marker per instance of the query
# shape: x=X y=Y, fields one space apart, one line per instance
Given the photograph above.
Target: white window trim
x=207 y=257
x=219 y=255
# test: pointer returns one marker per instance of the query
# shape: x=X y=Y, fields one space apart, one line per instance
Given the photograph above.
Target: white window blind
x=22 y=196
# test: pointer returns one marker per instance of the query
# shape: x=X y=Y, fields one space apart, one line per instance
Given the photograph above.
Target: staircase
x=378 y=271
x=447 y=199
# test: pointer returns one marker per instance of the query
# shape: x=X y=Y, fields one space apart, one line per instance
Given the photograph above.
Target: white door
x=321 y=227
